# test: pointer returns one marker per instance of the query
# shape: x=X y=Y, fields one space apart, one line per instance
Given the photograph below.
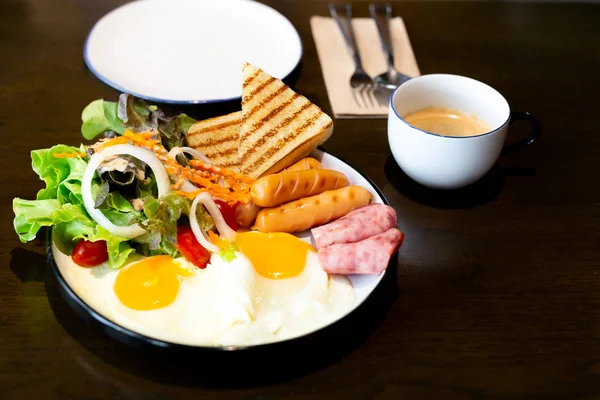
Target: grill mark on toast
x=266 y=101
x=272 y=114
x=248 y=80
x=214 y=127
x=221 y=153
x=273 y=131
x=215 y=142
x=280 y=143
x=258 y=89
x=228 y=164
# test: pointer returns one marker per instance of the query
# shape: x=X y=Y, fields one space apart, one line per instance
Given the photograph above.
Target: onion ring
x=212 y=208
x=148 y=157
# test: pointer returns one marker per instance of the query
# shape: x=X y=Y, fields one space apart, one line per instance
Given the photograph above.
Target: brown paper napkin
x=338 y=67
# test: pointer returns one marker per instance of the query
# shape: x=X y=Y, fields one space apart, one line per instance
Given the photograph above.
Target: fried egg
x=273 y=290
x=208 y=303
x=274 y=255
x=292 y=293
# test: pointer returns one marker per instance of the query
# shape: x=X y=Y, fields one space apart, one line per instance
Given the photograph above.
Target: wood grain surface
x=496 y=292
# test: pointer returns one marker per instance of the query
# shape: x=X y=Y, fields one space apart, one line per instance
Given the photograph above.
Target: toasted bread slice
x=279 y=126
x=217 y=138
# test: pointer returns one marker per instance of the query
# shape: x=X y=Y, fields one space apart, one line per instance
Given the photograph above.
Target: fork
x=361 y=83
x=382 y=13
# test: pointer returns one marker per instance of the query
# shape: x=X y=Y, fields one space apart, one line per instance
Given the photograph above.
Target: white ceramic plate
x=363 y=285
x=189 y=51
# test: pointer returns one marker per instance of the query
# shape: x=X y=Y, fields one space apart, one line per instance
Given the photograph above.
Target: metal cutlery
x=392 y=78
x=361 y=83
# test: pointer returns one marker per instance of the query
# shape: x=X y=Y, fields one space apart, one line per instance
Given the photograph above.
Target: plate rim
x=122 y=89
x=128 y=336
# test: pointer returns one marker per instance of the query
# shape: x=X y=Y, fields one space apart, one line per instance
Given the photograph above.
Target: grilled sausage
x=305 y=163
x=245 y=214
x=273 y=190
x=299 y=215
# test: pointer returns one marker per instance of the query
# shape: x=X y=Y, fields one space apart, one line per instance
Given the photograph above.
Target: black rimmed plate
x=364 y=286
x=189 y=51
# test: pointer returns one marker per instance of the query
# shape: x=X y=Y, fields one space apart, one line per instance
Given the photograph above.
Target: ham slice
x=357 y=225
x=368 y=256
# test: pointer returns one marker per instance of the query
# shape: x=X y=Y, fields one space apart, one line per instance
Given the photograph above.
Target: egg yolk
x=274 y=255
x=150 y=284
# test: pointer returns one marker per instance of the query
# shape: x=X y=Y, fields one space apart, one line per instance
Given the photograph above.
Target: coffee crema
x=446 y=122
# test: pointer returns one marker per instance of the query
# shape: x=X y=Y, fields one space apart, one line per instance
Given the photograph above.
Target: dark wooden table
x=497 y=290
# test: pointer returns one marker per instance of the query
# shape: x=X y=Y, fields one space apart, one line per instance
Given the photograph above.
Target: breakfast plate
x=189 y=51
x=233 y=232
x=89 y=307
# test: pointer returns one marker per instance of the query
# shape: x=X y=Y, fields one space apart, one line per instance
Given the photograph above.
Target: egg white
x=223 y=304
x=292 y=307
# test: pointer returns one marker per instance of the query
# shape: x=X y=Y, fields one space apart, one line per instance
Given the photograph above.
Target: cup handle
x=535 y=131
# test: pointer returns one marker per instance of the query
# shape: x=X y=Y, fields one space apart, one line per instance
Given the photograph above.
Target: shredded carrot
x=217 y=240
x=69 y=155
x=147 y=135
x=191 y=195
x=143 y=139
x=198 y=164
x=114 y=142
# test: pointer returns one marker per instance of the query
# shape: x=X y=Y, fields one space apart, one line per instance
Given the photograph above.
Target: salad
x=137 y=189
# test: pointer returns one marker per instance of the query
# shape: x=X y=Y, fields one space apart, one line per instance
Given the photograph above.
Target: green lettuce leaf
x=115 y=201
x=60 y=206
x=70 y=223
x=61 y=175
x=228 y=253
x=161 y=224
x=100 y=193
x=146 y=187
x=136 y=115
x=119 y=210
x=185 y=122
x=173 y=130
x=118 y=250
x=100 y=116
x=32 y=215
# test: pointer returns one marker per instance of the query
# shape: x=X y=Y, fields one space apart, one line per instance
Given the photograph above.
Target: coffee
x=446 y=122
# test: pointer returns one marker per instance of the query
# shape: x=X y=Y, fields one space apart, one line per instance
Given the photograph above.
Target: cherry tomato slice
x=189 y=247
x=228 y=214
x=89 y=254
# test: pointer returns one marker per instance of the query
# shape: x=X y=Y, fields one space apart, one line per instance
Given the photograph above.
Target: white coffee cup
x=450 y=162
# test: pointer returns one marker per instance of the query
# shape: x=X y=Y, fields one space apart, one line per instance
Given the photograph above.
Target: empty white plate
x=189 y=51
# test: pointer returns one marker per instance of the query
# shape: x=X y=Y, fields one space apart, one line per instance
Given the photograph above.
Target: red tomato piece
x=189 y=247
x=89 y=254
x=228 y=214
